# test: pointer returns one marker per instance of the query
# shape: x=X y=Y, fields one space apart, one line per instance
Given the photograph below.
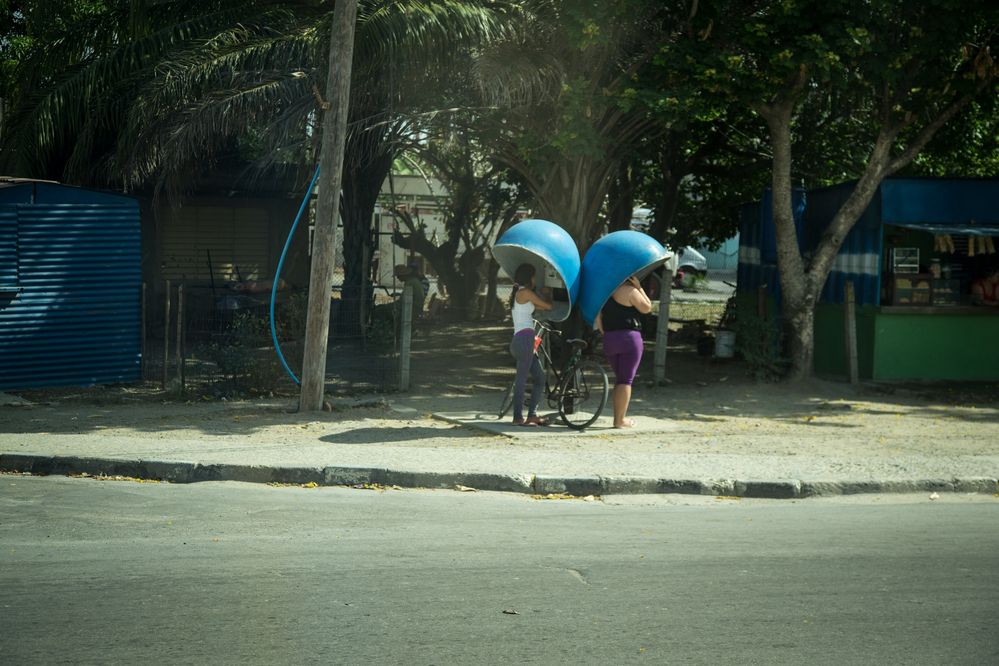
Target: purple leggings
x=522 y=348
x=624 y=352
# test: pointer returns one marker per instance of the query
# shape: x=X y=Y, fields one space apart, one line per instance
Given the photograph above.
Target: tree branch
x=924 y=136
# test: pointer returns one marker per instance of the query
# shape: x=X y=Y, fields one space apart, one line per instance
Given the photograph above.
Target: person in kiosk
x=523 y=302
x=985 y=290
x=620 y=323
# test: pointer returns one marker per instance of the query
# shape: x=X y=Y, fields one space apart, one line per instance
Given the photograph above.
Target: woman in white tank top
x=523 y=302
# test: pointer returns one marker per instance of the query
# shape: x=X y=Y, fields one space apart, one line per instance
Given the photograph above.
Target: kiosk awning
x=952 y=229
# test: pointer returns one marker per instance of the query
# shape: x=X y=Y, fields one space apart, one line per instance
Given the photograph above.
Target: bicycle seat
x=576 y=343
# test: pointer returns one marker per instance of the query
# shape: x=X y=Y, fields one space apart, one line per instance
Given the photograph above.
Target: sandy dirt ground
x=709 y=407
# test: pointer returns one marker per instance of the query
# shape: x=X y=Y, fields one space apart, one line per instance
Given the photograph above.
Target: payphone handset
x=560 y=296
x=552 y=279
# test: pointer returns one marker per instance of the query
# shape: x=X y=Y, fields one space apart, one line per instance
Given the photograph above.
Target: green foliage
x=120 y=98
x=758 y=342
x=244 y=355
x=567 y=112
x=381 y=334
x=291 y=316
x=243 y=352
x=966 y=147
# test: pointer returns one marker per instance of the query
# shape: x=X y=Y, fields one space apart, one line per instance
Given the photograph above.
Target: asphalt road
x=121 y=572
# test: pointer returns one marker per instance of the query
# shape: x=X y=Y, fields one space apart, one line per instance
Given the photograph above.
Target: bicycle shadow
x=602 y=428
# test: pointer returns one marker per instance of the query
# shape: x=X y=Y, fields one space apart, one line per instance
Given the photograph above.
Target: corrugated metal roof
x=940 y=201
x=76 y=317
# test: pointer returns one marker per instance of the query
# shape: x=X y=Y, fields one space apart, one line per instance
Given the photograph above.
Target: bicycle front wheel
x=582 y=395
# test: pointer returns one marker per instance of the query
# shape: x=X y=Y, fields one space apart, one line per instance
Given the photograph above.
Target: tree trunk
x=621 y=200
x=572 y=196
x=799 y=336
x=362 y=185
x=797 y=302
x=492 y=280
x=666 y=210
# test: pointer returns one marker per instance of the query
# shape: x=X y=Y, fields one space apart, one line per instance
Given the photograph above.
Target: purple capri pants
x=624 y=352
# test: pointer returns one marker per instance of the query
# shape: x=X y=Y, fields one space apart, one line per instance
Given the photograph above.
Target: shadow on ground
x=464 y=367
x=401 y=434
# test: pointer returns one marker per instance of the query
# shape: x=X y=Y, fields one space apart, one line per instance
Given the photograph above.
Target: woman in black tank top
x=617 y=317
x=621 y=325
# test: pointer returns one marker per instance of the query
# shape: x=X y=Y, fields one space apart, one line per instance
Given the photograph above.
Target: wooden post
x=365 y=270
x=327 y=207
x=850 y=321
x=180 y=334
x=405 y=336
x=662 y=326
x=142 y=328
x=166 y=335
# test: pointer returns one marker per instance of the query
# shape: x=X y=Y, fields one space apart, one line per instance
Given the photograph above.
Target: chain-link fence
x=219 y=341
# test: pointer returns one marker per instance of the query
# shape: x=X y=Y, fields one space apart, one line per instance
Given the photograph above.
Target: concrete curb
x=193 y=472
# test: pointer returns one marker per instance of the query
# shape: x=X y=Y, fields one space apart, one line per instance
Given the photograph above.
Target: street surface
x=122 y=572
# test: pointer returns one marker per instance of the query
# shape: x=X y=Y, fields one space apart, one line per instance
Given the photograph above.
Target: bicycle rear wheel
x=507 y=400
x=582 y=395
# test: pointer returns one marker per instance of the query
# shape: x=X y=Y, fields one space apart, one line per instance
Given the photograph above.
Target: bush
x=758 y=342
x=244 y=354
x=381 y=332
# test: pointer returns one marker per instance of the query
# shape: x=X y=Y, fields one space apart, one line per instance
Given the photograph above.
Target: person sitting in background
x=985 y=290
x=414 y=270
x=411 y=278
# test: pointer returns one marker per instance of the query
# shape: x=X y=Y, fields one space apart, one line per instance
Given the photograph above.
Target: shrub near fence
x=219 y=342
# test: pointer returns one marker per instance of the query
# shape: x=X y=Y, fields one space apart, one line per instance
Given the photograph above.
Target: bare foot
x=523 y=422
x=537 y=420
x=626 y=423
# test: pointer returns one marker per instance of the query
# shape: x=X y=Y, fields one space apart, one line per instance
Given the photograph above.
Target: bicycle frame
x=552 y=371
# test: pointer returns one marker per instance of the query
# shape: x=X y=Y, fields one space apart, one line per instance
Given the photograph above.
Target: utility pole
x=317 y=323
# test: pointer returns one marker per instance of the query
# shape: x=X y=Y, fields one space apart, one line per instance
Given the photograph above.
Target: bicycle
x=578 y=390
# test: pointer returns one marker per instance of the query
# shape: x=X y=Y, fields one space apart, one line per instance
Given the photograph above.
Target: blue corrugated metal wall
x=859 y=258
x=76 y=317
x=8 y=249
x=758 y=244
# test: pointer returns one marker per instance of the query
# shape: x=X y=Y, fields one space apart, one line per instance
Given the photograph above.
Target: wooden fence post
x=180 y=334
x=142 y=328
x=850 y=322
x=166 y=335
x=406 y=336
x=366 y=273
x=662 y=327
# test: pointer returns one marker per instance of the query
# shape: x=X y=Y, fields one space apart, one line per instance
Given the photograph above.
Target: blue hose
x=277 y=275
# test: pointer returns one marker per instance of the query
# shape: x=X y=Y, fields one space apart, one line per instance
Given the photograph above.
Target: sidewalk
x=722 y=438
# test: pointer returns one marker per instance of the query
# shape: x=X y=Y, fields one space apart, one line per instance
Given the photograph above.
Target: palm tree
x=156 y=96
x=562 y=85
